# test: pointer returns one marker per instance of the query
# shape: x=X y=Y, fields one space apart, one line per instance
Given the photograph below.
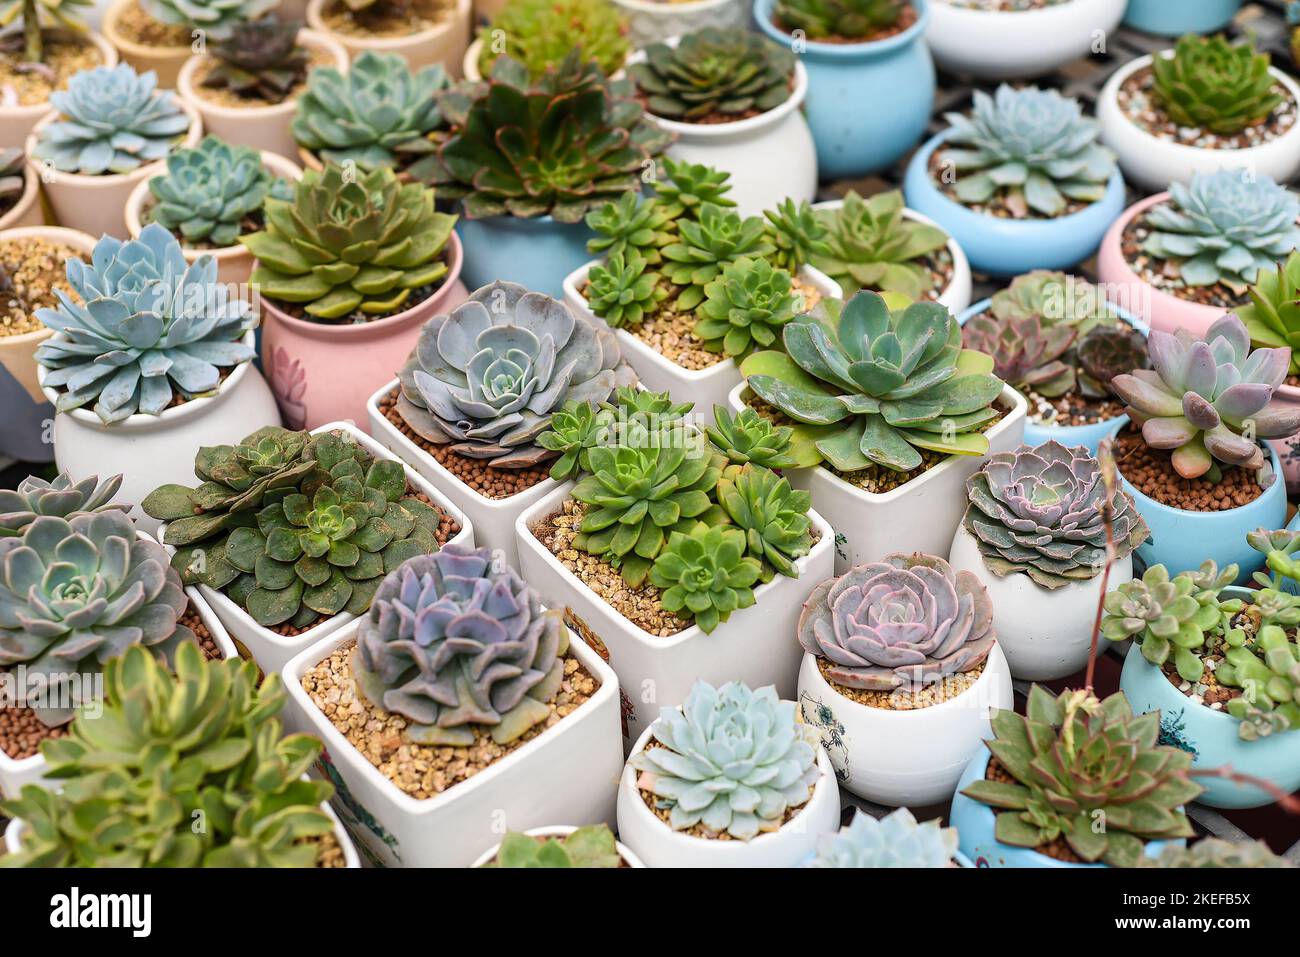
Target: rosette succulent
x=773 y=517
x=457 y=643
x=650 y=410
x=1032 y=149
x=705 y=574
x=209 y=192
x=621 y=292
x=1055 y=298
x=32 y=18
x=797 y=233
x=748 y=437
x=260 y=60
x=1214 y=85
x=746 y=306
x=486 y=378
x=1041 y=511
x=590 y=846
x=61 y=498
x=706 y=246
x=1108 y=351
x=1025 y=353
x=904 y=622
x=631 y=225
x=1216 y=852
x=541 y=33
x=842 y=19
x=729 y=760
x=1267 y=669
x=141 y=327
x=687 y=187
x=895 y=840
x=215 y=18
x=1273 y=315
x=871 y=245
x=573 y=432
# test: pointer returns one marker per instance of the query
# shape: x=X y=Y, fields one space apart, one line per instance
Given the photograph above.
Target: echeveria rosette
x=621 y=291
x=843 y=19
x=632 y=225
x=870 y=244
x=729 y=760
x=213 y=18
x=1105 y=352
x=745 y=307
x=1039 y=511
x=1272 y=316
x=798 y=234
x=1055 y=298
x=686 y=188
x=706 y=246
x=573 y=432
x=60 y=497
x=209 y=192
x=589 y=846
x=895 y=840
x=1214 y=85
x=705 y=574
x=905 y=622
x=1025 y=352
x=746 y=437
x=1267 y=670
x=457 y=642
x=1209 y=400
x=772 y=516
x=1216 y=852
x=260 y=60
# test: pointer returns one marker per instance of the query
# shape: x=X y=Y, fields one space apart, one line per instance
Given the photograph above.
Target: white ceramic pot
x=755 y=645
x=165 y=61
x=152 y=450
x=1153 y=163
x=271 y=650
x=96 y=204
x=559 y=830
x=1045 y=634
x=442 y=44
x=650 y=21
x=660 y=846
x=903 y=758
x=1018 y=44
x=262 y=126
x=568 y=773
x=705 y=387
x=16 y=122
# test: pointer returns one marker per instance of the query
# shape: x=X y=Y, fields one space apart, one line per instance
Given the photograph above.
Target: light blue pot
x=537 y=253
x=868 y=103
x=1211 y=736
x=1173 y=18
x=1009 y=247
x=975 y=823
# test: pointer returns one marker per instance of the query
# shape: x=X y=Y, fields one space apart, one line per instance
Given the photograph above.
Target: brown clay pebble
x=1166 y=275
x=64 y=56
x=35 y=268
x=1152 y=472
x=328 y=853
x=1058 y=849
x=903 y=700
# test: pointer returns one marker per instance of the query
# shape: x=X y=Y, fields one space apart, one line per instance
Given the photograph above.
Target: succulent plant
x=348 y=244
x=748 y=437
x=773 y=517
x=1108 y=351
x=1076 y=760
x=895 y=840
x=61 y=498
x=621 y=291
x=1209 y=400
x=1041 y=511
x=1224 y=227
x=1025 y=353
x=486 y=378
x=650 y=410
x=590 y=846
x=842 y=19
x=260 y=59
x=76 y=592
x=1055 y=298
x=871 y=245
x=541 y=33
x=1214 y=85
x=1273 y=315
x=904 y=622
x=31 y=18
x=13 y=176
x=869 y=386
x=729 y=760
x=746 y=306
x=140 y=326
x=714 y=72
x=704 y=247
x=111 y=120
x=631 y=225
x=705 y=574
x=1032 y=148
x=688 y=187
x=1267 y=669
x=215 y=18
x=1216 y=852
x=797 y=233
x=574 y=431
x=170 y=753
x=209 y=192
x=457 y=641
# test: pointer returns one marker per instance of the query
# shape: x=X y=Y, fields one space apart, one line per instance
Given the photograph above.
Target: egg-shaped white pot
x=558 y=830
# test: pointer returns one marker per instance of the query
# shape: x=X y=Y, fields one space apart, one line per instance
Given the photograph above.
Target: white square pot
x=756 y=645
x=271 y=650
x=567 y=773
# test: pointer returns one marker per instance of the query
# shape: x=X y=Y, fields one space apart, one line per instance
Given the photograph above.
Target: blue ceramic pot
x=1211 y=736
x=868 y=103
x=1009 y=247
x=537 y=253
x=1173 y=18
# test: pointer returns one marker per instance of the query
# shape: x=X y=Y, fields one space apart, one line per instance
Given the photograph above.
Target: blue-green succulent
x=895 y=840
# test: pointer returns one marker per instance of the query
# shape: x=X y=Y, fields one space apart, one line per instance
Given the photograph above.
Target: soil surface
x=24 y=84
x=1165 y=274
x=1152 y=472
x=903 y=700
x=397 y=18
x=35 y=268
x=1138 y=100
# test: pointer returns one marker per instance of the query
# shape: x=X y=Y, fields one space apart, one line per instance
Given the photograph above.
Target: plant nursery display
x=158 y=35
x=422 y=32
x=541 y=33
x=895 y=840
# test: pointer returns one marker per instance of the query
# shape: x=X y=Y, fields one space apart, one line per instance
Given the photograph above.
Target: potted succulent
x=732 y=101
x=166 y=752
x=592 y=845
x=289 y=534
x=151 y=360
x=1216 y=852
x=525 y=357
x=900 y=668
x=848 y=46
x=20 y=191
x=348 y=270
x=1272 y=318
x=1203 y=106
x=246 y=86
x=534 y=737
x=731 y=778
x=1196 y=468
x=1180 y=259
x=422 y=32
x=653 y=21
x=1187 y=16
x=1020 y=183
x=108 y=130
x=208 y=197
x=895 y=840
x=1035 y=534
x=540 y=34
x=160 y=35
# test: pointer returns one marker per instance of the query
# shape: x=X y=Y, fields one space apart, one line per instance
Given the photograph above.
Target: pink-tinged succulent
x=904 y=622
x=1209 y=400
x=1025 y=351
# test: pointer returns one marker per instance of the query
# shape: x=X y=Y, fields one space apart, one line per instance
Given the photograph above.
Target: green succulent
x=622 y=292
x=34 y=17
x=1267 y=669
x=650 y=410
x=1026 y=353
x=260 y=60
x=541 y=33
x=746 y=306
x=705 y=247
x=1214 y=85
x=574 y=431
x=214 y=18
x=872 y=245
x=773 y=516
x=748 y=437
x=705 y=574
x=61 y=498
x=590 y=846
x=842 y=19
x=1273 y=315
x=686 y=188
x=631 y=225
x=1055 y=298
x=797 y=233
x=1216 y=852
x=210 y=191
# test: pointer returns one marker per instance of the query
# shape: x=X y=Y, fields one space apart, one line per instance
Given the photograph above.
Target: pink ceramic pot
x=324 y=373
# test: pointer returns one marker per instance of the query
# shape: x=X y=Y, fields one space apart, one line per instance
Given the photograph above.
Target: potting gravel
x=1138 y=100
x=901 y=699
x=35 y=267
x=1152 y=472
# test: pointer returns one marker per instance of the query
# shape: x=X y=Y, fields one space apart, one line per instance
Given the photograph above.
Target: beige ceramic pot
x=165 y=61
x=444 y=43
x=27 y=211
x=17 y=121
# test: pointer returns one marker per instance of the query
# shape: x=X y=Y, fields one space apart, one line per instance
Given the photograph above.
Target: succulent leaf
x=838 y=19
x=1213 y=85
x=61 y=498
x=209 y=191
x=706 y=574
x=260 y=60
x=872 y=245
x=895 y=840
x=540 y=34
x=746 y=306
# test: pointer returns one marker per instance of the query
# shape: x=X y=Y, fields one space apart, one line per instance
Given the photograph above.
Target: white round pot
x=1153 y=163
x=559 y=830
x=651 y=22
x=263 y=126
x=903 y=758
x=16 y=122
x=442 y=44
x=1046 y=634
x=1018 y=44
x=660 y=846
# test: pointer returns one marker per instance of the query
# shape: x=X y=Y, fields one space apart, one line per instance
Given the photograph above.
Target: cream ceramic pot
x=164 y=61
x=442 y=44
x=16 y=122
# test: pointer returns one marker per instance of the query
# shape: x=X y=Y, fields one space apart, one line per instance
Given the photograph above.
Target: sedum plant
x=1267 y=669
x=540 y=33
x=457 y=643
x=729 y=760
x=1026 y=353
x=895 y=840
x=706 y=246
x=631 y=225
x=214 y=18
x=621 y=292
x=61 y=498
x=590 y=846
x=32 y=19
x=772 y=515
x=1216 y=852
x=705 y=574
x=871 y=245
x=1273 y=315
x=1214 y=85
x=798 y=234
x=141 y=327
x=573 y=432
x=209 y=192
x=746 y=306
x=838 y=19
x=746 y=436
x=259 y=60
x=1108 y=351
x=688 y=187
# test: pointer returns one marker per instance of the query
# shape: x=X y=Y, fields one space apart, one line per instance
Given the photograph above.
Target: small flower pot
x=470 y=69
x=443 y=43
x=567 y=773
x=96 y=204
x=559 y=830
x=755 y=645
x=1045 y=633
x=868 y=103
x=903 y=758
x=1017 y=44
x=918 y=516
x=263 y=126
x=16 y=122
x=164 y=61
x=324 y=371
x=234 y=263
x=537 y=253
x=656 y=843
x=652 y=21
x=1174 y=19
x=1009 y=247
